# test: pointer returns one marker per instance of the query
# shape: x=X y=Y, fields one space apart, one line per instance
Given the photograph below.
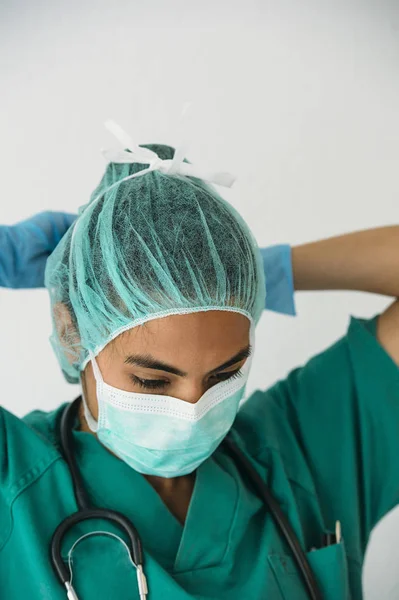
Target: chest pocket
x=329 y=566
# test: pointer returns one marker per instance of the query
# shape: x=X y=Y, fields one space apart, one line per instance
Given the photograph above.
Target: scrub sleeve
x=333 y=429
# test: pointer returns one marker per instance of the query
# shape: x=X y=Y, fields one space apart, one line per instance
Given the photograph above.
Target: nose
x=191 y=392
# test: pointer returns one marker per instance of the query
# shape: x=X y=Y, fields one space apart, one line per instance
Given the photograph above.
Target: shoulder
x=262 y=419
x=277 y=424
x=26 y=452
x=27 y=448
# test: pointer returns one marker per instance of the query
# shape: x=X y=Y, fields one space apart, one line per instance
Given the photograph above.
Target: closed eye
x=159 y=383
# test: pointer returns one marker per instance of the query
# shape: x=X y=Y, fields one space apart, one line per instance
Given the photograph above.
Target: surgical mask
x=162 y=435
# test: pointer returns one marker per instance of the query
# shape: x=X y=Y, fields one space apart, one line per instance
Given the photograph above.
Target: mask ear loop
x=96 y=370
x=91 y=421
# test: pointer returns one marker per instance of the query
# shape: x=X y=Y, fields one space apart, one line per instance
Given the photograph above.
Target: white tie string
x=176 y=166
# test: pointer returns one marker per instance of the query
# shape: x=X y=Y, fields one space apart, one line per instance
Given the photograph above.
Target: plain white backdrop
x=298 y=99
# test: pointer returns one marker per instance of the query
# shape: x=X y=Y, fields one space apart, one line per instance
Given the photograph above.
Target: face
x=179 y=355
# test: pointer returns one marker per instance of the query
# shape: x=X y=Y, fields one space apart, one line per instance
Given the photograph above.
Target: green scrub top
x=326 y=441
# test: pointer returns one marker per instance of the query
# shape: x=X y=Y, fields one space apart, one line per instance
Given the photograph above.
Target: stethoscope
x=86 y=512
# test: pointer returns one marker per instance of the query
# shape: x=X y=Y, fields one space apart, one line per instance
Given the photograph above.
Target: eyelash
x=157 y=383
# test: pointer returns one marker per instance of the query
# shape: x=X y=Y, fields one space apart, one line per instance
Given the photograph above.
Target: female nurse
x=146 y=438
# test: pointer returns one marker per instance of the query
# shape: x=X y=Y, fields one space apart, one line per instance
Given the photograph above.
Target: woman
x=156 y=291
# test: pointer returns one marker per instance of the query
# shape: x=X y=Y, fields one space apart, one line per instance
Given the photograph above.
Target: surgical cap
x=151 y=246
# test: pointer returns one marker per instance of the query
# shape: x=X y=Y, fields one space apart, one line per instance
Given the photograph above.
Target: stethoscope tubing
x=86 y=512
x=277 y=514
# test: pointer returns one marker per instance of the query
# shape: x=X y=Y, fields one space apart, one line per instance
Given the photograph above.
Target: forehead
x=202 y=338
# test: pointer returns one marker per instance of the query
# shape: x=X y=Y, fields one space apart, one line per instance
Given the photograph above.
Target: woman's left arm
x=365 y=261
x=25 y=247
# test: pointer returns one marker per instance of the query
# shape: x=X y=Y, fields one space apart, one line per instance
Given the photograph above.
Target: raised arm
x=366 y=261
x=25 y=247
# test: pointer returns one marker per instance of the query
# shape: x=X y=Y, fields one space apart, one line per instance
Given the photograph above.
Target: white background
x=298 y=98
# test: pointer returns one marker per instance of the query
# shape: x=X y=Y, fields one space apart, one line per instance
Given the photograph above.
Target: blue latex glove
x=277 y=266
x=25 y=247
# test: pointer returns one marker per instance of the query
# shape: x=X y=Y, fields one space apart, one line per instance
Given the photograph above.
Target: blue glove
x=277 y=266
x=25 y=247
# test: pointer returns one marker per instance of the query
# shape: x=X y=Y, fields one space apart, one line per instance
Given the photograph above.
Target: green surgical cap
x=150 y=246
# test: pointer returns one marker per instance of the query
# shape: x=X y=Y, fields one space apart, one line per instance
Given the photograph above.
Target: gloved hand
x=277 y=266
x=25 y=247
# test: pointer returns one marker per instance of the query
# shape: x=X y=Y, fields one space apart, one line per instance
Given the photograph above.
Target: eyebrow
x=149 y=362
